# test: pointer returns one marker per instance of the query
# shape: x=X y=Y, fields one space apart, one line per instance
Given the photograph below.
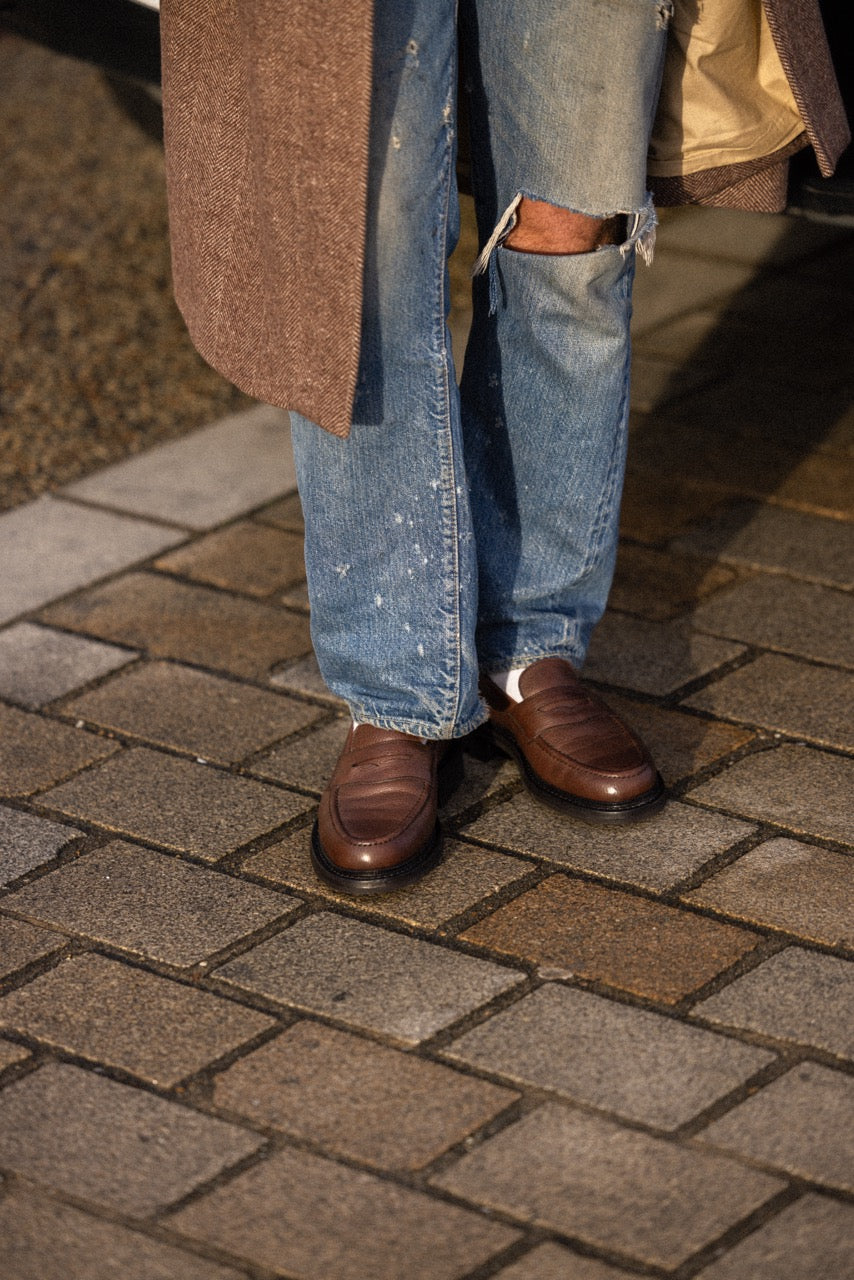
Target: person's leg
x=389 y=545
x=390 y=553
x=562 y=94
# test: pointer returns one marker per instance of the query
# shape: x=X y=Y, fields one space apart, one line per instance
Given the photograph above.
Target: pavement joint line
x=666 y=896
x=111 y=509
x=774 y=829
x=273 y=598
x=129 y=740
x=787 y=935
x=738 y=1231
x=718 y=862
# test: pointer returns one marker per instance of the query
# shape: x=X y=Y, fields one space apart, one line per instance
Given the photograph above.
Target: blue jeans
x=458 y=530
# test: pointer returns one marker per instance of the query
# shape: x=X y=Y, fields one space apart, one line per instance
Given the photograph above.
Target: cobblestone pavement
x=569 y=1054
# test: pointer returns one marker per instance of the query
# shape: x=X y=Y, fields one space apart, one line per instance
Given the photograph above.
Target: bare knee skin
x=541 y=227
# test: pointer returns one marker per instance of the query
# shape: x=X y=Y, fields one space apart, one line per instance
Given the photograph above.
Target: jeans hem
x=422 y=728
x=529 y=657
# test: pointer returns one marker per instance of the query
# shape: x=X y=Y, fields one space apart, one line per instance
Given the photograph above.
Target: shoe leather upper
x=570 y=737
x=379 y=808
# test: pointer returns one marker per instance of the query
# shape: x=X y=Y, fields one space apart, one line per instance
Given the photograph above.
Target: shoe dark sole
x=360 y=884
x=598 y=812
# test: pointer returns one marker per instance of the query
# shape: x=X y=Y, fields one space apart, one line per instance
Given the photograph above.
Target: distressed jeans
x=475 y=528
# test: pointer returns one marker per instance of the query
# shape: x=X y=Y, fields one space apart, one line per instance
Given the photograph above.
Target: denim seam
x=421 y=728
x=610 y=489
x=450 y=505
x=507 y=662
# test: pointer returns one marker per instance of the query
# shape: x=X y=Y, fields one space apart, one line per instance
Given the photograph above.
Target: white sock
x=508 y=681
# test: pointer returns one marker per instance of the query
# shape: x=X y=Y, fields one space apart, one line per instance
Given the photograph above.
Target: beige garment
x=725 y=98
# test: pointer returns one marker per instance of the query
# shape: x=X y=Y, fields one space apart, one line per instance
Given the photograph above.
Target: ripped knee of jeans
x=535 y=226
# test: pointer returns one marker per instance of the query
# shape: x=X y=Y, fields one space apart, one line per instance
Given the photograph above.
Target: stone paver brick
x=655 y=854
x=22 y=943
x=396 y=1111
x=296 y=597
x=553 y=1262
x=308 y=762
x=49 y=1241
x=653 y=657
x=193 y=711
x=465 y=876
x=35 y=752
x=368 y=977
x=793 y=786
x=795 y=995
x=775 y=538
x=818 y=482
x=787 y=885
x=38 y=664
x=796 y=617
x=192 y=623
x=589 y=931
x=285 y=513
x=608 y=1186
x=690 y=446
x=305 y=1217
x=304 y=677
x=812 y=1239
x=736 y=235
x=252 y=559
x=10 y=1054
x=113 y=1014
x=176 y=803
x=686 y=284
x=680 y=744
x=800 y=1123
x=99 y=1140
x=660 y=585
x=50 y=547
x=656 y=382
x=764 y=412
x=27 y=841
x=205 y=478
x=150 y=904
x=792 y=697
x=634 y=1063
x=656 y=507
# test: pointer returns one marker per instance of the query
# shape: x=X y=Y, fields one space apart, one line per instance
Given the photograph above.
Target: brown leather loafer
x=574 y=753
x=376 y=826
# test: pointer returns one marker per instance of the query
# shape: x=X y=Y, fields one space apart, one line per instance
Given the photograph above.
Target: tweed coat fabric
x=266 y=120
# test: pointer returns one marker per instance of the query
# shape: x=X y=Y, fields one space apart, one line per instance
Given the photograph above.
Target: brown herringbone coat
x=266 y=111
